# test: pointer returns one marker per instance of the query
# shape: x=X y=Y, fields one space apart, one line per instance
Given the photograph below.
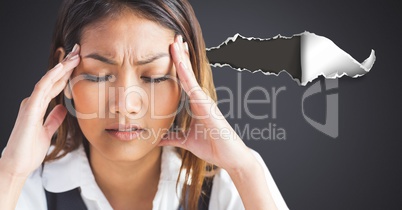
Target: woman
x=132 y=139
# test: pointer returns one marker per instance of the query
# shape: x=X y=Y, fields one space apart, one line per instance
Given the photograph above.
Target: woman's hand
x=210 y=137
x=30 y=138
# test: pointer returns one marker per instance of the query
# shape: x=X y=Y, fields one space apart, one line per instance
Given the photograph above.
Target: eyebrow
x=148 y=60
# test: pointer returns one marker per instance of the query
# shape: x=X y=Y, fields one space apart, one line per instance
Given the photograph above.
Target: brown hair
x=176 y=15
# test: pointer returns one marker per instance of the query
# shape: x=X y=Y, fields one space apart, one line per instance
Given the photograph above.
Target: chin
x=123 y=150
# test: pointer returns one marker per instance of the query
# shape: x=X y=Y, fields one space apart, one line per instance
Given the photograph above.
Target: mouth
x=125 y=133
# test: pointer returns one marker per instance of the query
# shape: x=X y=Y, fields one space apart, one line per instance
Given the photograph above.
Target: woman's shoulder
x=59 y=175
x=224 y=194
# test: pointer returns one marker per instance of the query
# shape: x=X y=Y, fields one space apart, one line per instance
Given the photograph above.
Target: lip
x=124 y=132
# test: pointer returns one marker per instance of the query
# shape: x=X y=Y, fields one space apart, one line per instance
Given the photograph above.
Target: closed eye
x=154 y=80
x=93 y=78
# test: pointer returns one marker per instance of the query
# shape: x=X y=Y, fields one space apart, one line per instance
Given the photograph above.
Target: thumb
x=177 y=139
x=54 y=119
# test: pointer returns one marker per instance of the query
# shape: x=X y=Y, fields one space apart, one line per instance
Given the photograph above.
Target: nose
x=126 y=99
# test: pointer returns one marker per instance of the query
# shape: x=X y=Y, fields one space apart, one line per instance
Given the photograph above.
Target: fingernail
x=180 y=39
x=74 y=48
x=67 y=57
x=183 y=65
x=180 y=44
x=186 y=46
x=73 y=52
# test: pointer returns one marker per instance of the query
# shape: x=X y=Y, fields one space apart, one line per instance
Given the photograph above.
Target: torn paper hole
x=304 y=56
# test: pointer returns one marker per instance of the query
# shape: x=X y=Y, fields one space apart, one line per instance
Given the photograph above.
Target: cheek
x=86 y=100
x=163 y=105
x=165 y=99
x=86 y=104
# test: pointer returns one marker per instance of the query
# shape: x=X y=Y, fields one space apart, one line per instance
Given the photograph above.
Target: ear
x=61 y=53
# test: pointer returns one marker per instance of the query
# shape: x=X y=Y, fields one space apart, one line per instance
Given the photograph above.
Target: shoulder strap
x=65 y=201
x=72 y=199
x=203 y=201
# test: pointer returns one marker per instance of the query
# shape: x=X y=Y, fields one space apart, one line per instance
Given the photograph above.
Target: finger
x=186 y=48
x=202 y=103
x=54 y=119
x=69 y=63
x=197 y=96
x=184 y=52
x=59 y=86
x=40 y=96
x=179 y=41
x=185 y=74
x=23 y=103
x=175 y=51
x=184 y=55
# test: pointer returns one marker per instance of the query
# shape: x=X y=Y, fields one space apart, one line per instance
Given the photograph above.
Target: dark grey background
x=361 y=169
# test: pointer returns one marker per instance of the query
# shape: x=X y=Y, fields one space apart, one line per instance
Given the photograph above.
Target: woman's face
x=126 y=79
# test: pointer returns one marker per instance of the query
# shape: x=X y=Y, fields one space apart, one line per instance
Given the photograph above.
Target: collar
x=73 y=170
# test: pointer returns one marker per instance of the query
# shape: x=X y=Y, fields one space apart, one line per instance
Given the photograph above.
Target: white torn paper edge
x=319 y=56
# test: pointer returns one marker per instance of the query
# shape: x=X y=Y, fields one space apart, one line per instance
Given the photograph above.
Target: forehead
x=126 y=35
